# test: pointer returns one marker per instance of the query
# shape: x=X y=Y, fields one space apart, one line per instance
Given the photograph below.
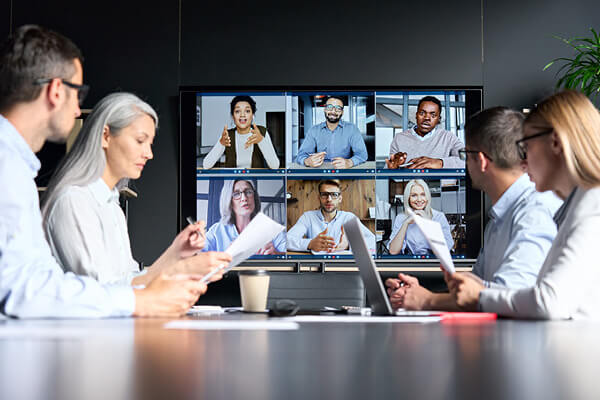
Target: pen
x=207 y=277
x=190 y=220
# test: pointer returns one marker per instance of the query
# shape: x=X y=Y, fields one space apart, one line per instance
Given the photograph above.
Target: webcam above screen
x=313 y=158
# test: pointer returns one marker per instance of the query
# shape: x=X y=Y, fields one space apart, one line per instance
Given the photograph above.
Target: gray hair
x=86 y=161
x=412 y=183
x=227 y=216
x=495 y=131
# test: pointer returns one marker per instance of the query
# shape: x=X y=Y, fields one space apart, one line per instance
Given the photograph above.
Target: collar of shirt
x=340 y=125
x=322 y=217
x=509 y=197
x=430 y=135
x=13 y=139
x=561 y=213
x=102 y=193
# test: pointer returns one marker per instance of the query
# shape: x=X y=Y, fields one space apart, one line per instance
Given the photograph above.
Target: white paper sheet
x=432 y=231
x=363 y=319
x=260 y=231
x=233 y=324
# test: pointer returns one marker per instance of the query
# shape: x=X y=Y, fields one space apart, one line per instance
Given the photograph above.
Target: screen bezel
x=186 y=203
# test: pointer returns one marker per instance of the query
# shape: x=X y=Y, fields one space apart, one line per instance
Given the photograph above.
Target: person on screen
x=560 y=149
x=83 y=221
x=406 y=238
x=334 y=140
x=427 y=144
x=520 y=229
x=239 y=204
x=41 y=89
x=247 y=145
x=322 y=230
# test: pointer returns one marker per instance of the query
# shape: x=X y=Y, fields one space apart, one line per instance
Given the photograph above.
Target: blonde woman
x=406 y=237
x=560 y=150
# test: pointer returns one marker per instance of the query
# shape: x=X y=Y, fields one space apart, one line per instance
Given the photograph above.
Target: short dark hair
x=247 y=99
x=432 y=99
x=31 y=53
x=333 y=182
x=494 y=131
x=337 y=97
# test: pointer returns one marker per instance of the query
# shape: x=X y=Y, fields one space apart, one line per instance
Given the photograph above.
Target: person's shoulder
x=15 y=177
x=316 y=127
x=347 y=215
x=534 y=200
x=310 y=213
x=70 y=199
x=587 y=201
x=438 y=215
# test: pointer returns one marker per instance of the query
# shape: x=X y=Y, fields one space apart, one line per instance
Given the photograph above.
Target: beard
x=333 y=118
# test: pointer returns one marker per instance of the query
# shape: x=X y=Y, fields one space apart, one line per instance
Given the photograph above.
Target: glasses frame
x=332 y=107
x=326 y=195
x=82 y=90
x=462 y=154
x=247 y=193
x=522 y=146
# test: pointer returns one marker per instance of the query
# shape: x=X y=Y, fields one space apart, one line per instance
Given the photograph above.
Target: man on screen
x=334 y=140
x=427 y=144
x=322 y=230
x=521 y=226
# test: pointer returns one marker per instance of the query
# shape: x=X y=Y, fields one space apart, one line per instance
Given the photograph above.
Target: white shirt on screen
x=243 y=155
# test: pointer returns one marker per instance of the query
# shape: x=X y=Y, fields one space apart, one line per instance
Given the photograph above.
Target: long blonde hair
x=577 y=124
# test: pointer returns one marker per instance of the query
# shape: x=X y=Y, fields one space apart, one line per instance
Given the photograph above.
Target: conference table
x=140 y=359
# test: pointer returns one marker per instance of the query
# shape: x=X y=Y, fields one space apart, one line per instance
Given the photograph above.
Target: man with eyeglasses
x=521 y=228
x=427 y=145
x=41 y=87
x=322 y=230
x=334 y=140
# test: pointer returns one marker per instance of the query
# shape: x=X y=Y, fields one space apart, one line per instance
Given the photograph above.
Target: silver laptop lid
x=378 y=299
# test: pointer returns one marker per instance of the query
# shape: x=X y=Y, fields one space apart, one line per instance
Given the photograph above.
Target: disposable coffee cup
x=254 y=288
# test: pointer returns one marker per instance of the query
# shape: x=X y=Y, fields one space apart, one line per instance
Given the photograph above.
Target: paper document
x=232 y=324
x=260 y=231
x=432 y=231
x=363 y=319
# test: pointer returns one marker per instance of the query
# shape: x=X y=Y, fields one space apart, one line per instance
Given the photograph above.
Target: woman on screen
x=239 y=203
x=406 y=238
x=83 y=221
x=247 y=145
x=560 y=150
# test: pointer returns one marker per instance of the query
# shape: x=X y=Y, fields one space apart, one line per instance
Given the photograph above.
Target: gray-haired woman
x=83 y=222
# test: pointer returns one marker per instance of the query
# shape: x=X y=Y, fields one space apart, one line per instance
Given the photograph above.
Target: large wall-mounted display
x=312 y=158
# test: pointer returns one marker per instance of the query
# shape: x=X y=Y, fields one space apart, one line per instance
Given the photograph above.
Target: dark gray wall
x=135 y=46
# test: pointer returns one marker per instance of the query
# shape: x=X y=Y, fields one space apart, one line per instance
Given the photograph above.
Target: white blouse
x=568 y=282
x=243 y=155
x=87 y=232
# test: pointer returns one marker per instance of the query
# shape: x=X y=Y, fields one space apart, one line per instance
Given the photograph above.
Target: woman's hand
x=255 y=137
x=225 y=140
x=189 y=241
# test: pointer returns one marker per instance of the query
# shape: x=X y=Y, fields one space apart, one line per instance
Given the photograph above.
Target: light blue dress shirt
x=220 y=236
x=344 y=141
x=414 y=239
x=32 y=284
x=311 y=223
x=517 y=237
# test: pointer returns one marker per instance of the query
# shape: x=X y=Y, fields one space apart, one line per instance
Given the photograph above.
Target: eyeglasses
x=331 y=107
x=237 y=194
x=82 y=90
x=325 y=195
x=522 y=143
x=462 y=154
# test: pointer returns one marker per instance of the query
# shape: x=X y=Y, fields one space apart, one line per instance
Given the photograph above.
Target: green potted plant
x=582 y=72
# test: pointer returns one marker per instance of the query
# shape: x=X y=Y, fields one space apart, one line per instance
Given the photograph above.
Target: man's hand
x=225 y=140
x=397 y=289
x=322 y=242
x=465 y=289
x=168 y=296
x=396 y=160
x=426 y=162
x=255 y=137
x=339 y=163
x=343 y=243
x=315 y=159
x=189 y=241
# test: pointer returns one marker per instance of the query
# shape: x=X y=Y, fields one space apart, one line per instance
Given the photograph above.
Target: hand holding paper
x=435 y=237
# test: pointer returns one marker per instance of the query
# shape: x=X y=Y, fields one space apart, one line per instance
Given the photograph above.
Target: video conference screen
x=313 y=159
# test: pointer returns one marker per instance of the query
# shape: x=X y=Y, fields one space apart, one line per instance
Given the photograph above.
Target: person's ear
x=105 y=136
x=556 y=144
x=54 y=93
x=483 y=162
